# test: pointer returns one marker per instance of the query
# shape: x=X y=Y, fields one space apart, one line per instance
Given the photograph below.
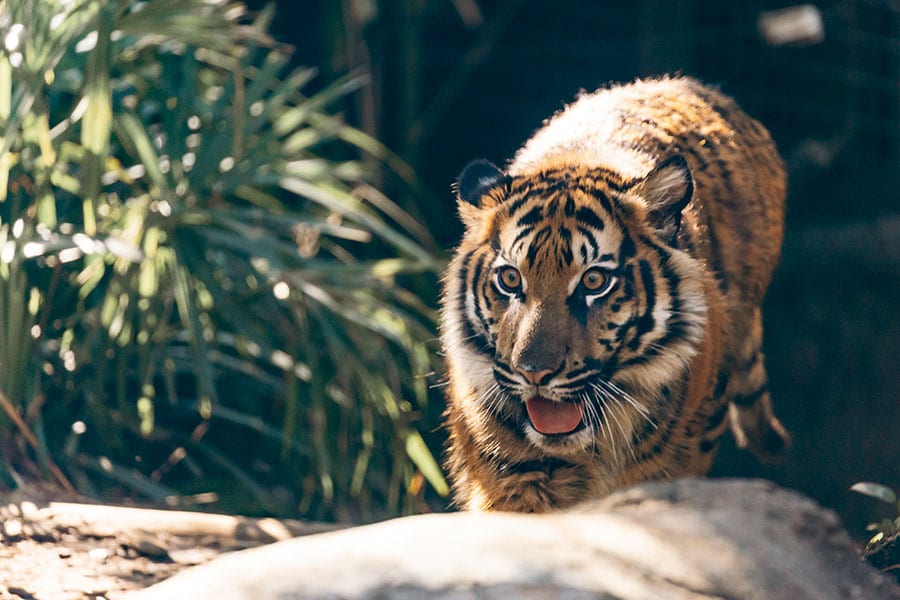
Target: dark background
x=454 y=80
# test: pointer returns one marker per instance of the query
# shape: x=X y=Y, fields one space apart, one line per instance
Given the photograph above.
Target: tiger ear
x=473 y=182
x=667 y=189
x=476 y=178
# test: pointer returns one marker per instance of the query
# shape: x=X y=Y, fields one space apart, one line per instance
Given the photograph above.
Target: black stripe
x=579 y=374
x=589 y=218
x=664 y=435
x=531 y=217
x=546 y=465
x=591 y=365
x=715 y=420
x=539 y=238
x=518 y=203
x=707 y=446
x=522 y=235
x=676 y=327
x=644 y=323
x=552 y=207
x=721 y=384
x=626 y=248
x=495 y=240
x=600 y=197
x=645 y=432
x=569 y=208
x=503 y=379
x=476 y=340
x=476 y=281
x=577 y=382
x=614 y=182
x=750 y=399
x=462 y=280
x=565 y=244
x=592 y=241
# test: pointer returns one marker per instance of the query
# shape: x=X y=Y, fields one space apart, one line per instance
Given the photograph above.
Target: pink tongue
x=551 y=417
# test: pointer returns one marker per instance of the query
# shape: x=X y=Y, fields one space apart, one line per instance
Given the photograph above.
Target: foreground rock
x=688 y=539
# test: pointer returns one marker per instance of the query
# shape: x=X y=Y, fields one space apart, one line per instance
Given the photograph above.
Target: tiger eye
x=509 y=280
x=593 y=280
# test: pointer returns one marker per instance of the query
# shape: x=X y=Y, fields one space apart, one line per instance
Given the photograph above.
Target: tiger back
x=601 y=317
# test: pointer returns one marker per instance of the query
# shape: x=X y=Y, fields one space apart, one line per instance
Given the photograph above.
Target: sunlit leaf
x=421 y=455
x=875 y=490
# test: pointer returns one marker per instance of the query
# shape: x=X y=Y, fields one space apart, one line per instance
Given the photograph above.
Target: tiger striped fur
x=601 y=316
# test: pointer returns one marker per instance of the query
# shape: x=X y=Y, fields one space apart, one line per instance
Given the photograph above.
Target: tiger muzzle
x=539 y=350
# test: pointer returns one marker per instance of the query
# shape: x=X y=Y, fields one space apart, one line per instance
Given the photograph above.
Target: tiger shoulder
x=601 y=316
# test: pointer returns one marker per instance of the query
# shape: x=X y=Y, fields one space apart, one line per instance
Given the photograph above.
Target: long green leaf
x=97 y=124
x=421 y=455
x=184 y=299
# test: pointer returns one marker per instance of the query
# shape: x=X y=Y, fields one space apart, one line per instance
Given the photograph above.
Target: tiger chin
x=601 y=317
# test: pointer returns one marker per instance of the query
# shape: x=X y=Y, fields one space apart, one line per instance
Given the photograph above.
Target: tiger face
x=569 y=303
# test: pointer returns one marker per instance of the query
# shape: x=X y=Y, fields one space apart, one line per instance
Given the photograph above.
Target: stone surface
x=687 y=539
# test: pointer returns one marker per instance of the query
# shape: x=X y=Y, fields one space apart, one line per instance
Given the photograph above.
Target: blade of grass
x=188 y=311
x=32 y=440
x=97 y=123
x=5 y=129
x=128 y=477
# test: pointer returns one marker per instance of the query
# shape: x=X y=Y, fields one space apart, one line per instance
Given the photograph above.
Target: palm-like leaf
x=199 y=269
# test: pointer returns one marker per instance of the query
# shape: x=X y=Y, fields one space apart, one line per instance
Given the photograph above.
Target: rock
x=29 y=510
x=147 y=545
x=13 y=529
x=193 y=556
x=681 y=540
x=98 y=554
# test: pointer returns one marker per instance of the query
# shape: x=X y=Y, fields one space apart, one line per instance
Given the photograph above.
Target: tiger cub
x=601 y=316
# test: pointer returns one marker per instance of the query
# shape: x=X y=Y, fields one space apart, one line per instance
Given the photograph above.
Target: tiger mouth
x=550 y=417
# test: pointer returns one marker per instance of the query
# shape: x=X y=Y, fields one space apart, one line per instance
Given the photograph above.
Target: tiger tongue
x=551 y=417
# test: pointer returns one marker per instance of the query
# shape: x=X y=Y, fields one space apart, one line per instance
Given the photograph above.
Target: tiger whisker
x=664 y=350
x=493 y=397
x=589 y=418
x=618 y=393
x=625 y=436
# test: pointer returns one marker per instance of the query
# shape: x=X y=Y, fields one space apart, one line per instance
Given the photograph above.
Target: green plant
x=200 y=290
x=888 y=526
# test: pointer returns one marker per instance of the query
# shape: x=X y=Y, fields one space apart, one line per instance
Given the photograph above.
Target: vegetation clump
x=202 y=297
x=883 y=549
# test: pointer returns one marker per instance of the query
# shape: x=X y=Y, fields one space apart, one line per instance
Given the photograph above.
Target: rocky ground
x=53 y=550
x=71 y=550
x=64 y=564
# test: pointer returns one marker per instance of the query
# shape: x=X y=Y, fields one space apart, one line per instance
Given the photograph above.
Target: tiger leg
x=753 y=420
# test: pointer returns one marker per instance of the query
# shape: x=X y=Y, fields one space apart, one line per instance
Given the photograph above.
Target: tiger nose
x=534 y=375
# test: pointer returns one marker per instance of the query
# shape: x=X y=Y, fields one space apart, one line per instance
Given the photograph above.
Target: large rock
x=687 y=539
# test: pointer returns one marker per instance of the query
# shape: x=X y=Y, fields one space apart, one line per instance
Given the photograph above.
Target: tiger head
x=570 y=309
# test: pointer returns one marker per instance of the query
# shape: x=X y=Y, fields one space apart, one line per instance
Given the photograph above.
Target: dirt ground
x=62 y=564
x=57 y=550
x=43 y=557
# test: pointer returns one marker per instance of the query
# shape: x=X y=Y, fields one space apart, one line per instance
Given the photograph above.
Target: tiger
x=601 y=317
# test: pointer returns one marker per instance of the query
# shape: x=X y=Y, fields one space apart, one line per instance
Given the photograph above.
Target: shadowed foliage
x=202 y=296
